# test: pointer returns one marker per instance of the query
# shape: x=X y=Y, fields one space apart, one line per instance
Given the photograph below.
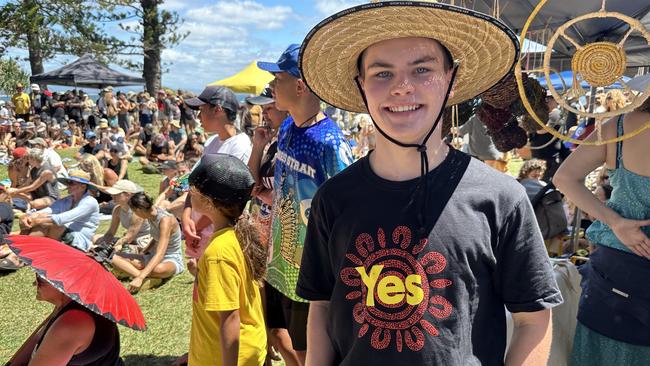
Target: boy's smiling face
x=405 y=81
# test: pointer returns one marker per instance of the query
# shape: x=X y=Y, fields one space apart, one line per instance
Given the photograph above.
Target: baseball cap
x=288 y=62
x=30 y=125
x=35 y=87
x=19 y=152
x=168 y=164
x=161 y=91
x=215 y=95
x=263 y=99
x=175 y=123
x=223 y=178
x=90 y=134
x=38 y=141
x=124 y=186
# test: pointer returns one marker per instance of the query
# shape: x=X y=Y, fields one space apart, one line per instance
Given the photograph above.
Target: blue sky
x=226 y=35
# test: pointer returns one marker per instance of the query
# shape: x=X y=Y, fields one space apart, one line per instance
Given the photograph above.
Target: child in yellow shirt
x=227 y=319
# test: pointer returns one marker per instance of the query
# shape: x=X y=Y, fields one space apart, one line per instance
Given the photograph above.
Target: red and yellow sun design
x=392 y=289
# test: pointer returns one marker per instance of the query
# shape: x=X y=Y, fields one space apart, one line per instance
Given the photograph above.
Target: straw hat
x=76 y=175
x=485 y=48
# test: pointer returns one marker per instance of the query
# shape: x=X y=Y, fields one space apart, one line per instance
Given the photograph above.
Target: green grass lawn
x=167 y=309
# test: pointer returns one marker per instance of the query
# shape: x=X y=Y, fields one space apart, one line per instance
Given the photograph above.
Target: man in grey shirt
x=480 y=143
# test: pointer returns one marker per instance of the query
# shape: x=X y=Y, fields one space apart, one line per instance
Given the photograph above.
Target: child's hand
x=135 y=284
x=192 y=267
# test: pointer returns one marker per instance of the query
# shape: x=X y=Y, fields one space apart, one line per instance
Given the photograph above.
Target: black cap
x=215 y=95
x=266 y=97
x=224 y=178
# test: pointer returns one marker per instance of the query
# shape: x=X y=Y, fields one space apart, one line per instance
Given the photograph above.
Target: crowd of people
x=336 y=237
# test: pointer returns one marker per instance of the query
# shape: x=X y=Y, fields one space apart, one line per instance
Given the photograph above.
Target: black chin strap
x=422 y=190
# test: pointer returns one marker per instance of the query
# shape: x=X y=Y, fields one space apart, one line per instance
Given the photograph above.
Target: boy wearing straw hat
x=412 y=252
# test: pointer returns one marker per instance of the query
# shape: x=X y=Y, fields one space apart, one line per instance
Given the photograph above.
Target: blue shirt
x=305 y=159
x=177 y=137
x=81 y=220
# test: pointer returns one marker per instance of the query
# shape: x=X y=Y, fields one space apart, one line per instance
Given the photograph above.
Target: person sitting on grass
x=73 y=335
x=163 y=258
x=169 y=198
x=137 y=236
x=143 y=140
x=91 y=147
x=118 y=162
x=158 y=150
x=43 y=189
x=72 y=220
x=191 y=151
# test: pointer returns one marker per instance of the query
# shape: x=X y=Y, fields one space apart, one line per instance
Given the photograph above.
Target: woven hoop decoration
x=600 y=63
x=485 y=48
x=634 y=24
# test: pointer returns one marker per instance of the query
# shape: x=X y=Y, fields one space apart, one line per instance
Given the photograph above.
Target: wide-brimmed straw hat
x=76 y=175
x=485 y=48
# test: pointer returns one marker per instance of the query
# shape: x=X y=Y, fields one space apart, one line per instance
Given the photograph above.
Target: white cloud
x=174 y=5
x=329 y=7
x=177 y=56
x=242 y=12
x=223 y=41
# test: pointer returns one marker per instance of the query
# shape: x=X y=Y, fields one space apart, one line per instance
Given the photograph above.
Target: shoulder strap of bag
x=535 y=200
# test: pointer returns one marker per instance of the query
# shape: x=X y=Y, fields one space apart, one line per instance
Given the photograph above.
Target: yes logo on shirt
x=395 y=299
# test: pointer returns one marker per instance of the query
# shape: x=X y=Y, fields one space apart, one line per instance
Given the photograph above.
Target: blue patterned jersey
x=306 y=158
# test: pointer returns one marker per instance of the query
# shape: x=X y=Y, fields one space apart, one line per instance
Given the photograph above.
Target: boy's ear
x=301 y=87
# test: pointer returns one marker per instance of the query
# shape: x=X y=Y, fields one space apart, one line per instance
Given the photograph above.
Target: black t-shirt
x=157 y=150
x=47 y=189
x=145 y=138
x=117 y=168
x=87 y=149
x=267 y=166
x=396 y=298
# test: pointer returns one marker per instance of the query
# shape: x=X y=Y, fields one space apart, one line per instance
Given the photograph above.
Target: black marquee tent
x=86 y=72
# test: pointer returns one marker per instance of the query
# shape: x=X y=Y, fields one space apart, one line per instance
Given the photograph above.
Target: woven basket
x=503 y=94
x=493 y=118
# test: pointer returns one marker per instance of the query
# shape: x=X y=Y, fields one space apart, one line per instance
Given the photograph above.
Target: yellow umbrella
x=250 y=80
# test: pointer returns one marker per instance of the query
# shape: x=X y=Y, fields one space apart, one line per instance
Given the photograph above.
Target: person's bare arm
x=569 y=179
x=70 y=334
x=162 y=195
x=123 y=169
x=166 y=226
x=133 y=230
x=115 y=222
x=46 y=176
x=320 y=351
x=230 y=325
x=531 y=339
x=261 y=137
x=189 y=227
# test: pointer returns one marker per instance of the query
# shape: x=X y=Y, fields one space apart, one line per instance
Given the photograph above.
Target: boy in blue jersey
x=311 y=149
